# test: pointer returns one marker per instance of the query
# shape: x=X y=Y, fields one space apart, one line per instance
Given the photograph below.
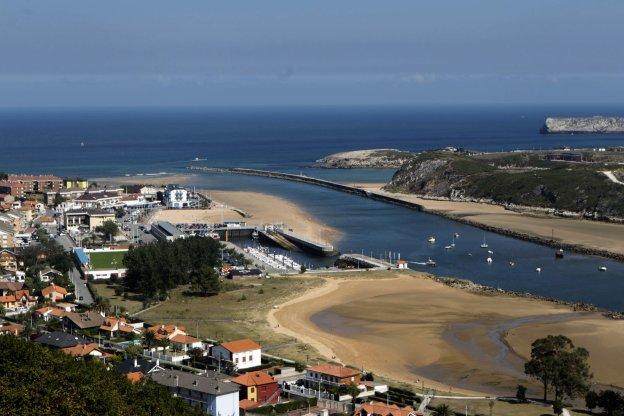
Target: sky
x=285 y=52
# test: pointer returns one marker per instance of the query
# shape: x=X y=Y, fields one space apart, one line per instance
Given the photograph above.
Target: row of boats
x=559 y=254
x=274 y=260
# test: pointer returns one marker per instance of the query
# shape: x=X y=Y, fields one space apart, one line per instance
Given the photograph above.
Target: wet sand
x=259 y=209
x=413 y=328
x=590 y=234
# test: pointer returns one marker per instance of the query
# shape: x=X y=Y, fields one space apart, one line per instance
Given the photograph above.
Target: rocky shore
x=595 y=125
x=359 y=159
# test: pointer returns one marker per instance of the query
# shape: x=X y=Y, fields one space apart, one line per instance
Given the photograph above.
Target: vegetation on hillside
x=37 y=381
x=154 y=269
x=520 y=179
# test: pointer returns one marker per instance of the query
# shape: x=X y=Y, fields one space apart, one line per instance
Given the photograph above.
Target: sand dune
x=413 y=328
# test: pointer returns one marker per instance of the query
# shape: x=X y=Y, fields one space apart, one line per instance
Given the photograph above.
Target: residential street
x=83 y=295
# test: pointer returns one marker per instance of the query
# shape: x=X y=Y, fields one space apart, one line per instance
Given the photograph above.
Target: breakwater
x=412 y=205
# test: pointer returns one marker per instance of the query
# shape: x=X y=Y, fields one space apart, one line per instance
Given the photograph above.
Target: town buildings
x=87 y=218
x=212 y=392
x=165 y=231
x=176 y=197
x=54 y=293
x=329 y=374
x=243 y=353
x=257 y=388
x=22 y=185
x=382 y=409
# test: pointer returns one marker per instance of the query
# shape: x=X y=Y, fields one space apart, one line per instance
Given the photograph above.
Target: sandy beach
x=255 y=209
x=413 y=328
x=590 y=234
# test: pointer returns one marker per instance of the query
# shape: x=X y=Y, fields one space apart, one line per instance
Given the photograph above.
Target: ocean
x=108 y=142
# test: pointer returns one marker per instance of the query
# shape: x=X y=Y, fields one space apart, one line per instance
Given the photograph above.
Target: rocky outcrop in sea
x=371 y=158
x=596 y=125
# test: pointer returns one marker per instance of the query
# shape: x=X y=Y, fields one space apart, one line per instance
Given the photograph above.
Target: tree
x=353 y=391
x=591 y=400
x=521 y=393
x=108 y=228
x=134 y=351
x=2 y=310
x=195 y=354
x=611 y=402
x=303 y=269
x=557 y=407
x=205 y=281
x=58 y=200
x=559 y=366
x=148 y=339
x=442 y=410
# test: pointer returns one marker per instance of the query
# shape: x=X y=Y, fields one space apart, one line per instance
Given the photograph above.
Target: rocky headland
x=371 y=158
x=596 y=125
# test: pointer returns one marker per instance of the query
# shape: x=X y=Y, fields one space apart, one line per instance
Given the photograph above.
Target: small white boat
x=489 y=260
x=430 y=262
x=512 y=263
x=448 y=247
x=539 y=269
x=484 y=244
x=456 y=235
x=602 y=268
x=490 y=252
x=431 y=239
x=255 y=234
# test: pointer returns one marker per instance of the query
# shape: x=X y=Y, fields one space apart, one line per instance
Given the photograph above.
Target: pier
x=367 y=262
x=307 y=244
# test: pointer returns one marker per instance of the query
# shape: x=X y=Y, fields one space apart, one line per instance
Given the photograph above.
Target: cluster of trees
x=35 y=380
x=108 y=229
x=156 y=268
x=561 y=367
x=612 y=402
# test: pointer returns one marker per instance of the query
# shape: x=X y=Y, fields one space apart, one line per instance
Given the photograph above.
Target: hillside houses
x=243 y=353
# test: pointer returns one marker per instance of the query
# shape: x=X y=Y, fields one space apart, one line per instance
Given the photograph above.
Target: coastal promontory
x=526 y=179
x=371 y=158
x=596 y=124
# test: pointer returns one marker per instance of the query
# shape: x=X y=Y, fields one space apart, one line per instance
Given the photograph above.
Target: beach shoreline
x=469 y=326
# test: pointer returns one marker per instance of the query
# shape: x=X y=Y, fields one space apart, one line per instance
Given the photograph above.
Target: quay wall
x=412 y=205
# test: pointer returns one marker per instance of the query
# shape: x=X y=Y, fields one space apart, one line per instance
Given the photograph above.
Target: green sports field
x=107 y=260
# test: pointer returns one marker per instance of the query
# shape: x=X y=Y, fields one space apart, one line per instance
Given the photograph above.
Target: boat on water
x=200 y=159
x=255 y=234
x=431 y=239
x=559 y=254
x=456 y=235
x=490 y=252
x=489 y=260
x=539 y=269
x=484 y=244
x=448 y=247
x=430 y=262
x=602 y=268
x=512 y=263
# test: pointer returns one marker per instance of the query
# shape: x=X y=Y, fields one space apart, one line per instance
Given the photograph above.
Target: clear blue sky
x=288 y=52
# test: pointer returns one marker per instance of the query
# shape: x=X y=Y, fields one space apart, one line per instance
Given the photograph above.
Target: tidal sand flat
x=261 y=209
x=411 y=328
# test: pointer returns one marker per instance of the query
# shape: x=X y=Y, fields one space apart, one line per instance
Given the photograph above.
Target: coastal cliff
x=371 y=158
x=596 y=124
x=564 y=188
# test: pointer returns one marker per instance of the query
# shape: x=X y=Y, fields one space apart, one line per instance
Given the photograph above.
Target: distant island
x=370 y=158
x=595 y=125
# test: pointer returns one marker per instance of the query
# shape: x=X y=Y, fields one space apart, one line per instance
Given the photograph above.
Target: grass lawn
x=481 y=407
x=107 y=290
x=107 y=260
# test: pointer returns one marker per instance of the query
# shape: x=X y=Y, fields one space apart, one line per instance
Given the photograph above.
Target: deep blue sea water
x=130 y=141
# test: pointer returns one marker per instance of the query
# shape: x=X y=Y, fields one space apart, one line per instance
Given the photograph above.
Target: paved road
x=74 y=275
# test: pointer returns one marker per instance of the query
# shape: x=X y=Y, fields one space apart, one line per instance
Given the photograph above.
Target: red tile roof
x=254 y=378
x=80 y=350
x=184 y=339
x=382 y=409
x=241 y=345
x=335 y=370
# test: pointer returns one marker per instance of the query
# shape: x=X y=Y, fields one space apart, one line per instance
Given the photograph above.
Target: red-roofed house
x=11 y=328
x=244 y=353
x=382 y=409
x=332 y=375
x=114 y=324
x=54 y=292
x=258 y=387
x=83 y=350
x=51 y=312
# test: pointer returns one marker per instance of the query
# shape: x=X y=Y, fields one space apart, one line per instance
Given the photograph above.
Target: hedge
x=285 y=407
